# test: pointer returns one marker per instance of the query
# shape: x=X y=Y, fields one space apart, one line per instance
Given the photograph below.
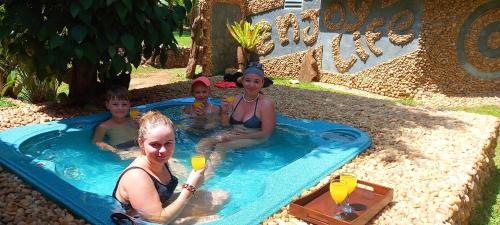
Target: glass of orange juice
x=134 y=112
x=197 y=104
x=198 y=162
x=350 y=181
x=338 y=192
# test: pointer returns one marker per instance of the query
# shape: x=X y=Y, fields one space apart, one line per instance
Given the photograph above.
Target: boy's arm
x=99 y=133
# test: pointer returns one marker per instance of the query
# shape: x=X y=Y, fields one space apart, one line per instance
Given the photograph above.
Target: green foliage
x=6 y=103
x=246 y=34
x=305 y=86
x=408 y=101
x=47 y=38
x=492 y=110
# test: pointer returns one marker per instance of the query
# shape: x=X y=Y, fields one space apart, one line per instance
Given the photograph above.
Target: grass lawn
x=183 y=40
x=487 y=212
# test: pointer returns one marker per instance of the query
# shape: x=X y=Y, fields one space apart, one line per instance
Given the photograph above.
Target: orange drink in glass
x=350 y=181
x=134 y=113
x=197 y=104
x=198 y=162
x=338 y=192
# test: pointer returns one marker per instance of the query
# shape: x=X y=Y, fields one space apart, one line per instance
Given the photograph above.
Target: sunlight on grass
x=408 y=101
x=6 y=103
x=487 y=211
x=183 y=40
x=492 y=110
x=305 y=86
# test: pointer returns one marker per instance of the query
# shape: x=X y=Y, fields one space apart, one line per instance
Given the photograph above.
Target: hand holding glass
x=198 y=162
x=338 y=191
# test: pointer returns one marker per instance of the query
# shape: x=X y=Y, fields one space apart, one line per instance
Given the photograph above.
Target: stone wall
x=455 y=46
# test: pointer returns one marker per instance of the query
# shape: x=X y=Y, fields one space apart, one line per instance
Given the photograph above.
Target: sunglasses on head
x=254 y=64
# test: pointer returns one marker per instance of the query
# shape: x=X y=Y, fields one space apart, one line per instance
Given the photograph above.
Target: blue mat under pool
x=59 y=160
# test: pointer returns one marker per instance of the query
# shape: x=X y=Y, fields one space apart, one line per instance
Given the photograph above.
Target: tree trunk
x=242 y=56
x=82 y=89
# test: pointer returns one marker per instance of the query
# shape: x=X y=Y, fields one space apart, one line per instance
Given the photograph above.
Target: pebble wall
x=434 y=68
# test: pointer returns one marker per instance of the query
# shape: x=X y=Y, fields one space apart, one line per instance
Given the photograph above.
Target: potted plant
x=247 y=36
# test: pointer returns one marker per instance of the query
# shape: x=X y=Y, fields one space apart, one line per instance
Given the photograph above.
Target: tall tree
x=83 y=41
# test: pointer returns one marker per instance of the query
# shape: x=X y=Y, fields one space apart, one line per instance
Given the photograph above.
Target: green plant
x=80 y=39
x=5 y=103
x=408 y=101
x=492 y=110
x=246 y=34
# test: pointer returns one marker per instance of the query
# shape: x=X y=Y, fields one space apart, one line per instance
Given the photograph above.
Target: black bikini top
x=253 y=122
x=165 y=191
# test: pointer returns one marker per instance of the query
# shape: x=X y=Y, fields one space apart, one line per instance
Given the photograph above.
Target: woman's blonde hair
x=151 y=120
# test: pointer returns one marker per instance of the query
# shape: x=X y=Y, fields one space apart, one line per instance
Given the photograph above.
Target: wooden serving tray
x=319 y=208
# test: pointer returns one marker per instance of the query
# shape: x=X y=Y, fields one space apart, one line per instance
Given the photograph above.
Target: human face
x=159 y=144
x=118 y=108
x=252 y=83
x=201 y=92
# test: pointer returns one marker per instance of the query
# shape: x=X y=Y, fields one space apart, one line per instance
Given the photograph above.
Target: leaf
x=128 y=4
x=141 y=4
x=188 y=5
x=112 y=35
x=90 y=52
x=86 y=3
x=55 y=41
x=85 y=16
x=120 y=10
x=179 y=14
x=79 y=52
x=78 y=33
x=74 y=9
x=128 y=41
x=109 y=2
x=141 y=19
x=111 y=51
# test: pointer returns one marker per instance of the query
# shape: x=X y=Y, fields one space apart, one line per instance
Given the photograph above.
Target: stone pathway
x=434 y=160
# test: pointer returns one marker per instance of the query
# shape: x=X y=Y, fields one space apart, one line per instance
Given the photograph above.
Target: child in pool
x=205 y=115
x=119 y=132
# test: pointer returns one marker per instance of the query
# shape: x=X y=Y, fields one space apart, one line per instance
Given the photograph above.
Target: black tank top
x=165 y=191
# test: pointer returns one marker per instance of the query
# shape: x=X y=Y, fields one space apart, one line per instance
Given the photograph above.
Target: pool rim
x=98 y=209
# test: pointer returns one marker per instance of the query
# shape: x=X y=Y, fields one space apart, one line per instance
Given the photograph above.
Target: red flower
x=225 y=84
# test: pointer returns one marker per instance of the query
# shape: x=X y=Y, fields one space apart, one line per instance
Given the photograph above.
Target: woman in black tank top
x=146 y=188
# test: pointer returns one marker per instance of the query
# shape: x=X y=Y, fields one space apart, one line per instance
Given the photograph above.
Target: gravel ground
x=407 y=144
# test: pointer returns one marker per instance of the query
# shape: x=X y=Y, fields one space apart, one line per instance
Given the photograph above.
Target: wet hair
x=151 y=120
x=118 y=93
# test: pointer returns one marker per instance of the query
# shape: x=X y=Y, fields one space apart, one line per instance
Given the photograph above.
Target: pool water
x=242 y=173
x=59 y=160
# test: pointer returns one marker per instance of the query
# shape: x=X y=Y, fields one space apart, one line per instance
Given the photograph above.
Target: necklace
x=246 y=100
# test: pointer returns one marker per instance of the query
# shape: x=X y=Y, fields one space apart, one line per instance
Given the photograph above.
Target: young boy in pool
x=118 y=133
x=205 y=115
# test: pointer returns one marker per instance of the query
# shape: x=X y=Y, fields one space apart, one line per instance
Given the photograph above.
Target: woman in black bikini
x=253 y=117
x=146 y=187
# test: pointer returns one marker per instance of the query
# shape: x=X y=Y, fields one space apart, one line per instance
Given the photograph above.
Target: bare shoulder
x=135 y=174
x=266 y=101
x=106 y=124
